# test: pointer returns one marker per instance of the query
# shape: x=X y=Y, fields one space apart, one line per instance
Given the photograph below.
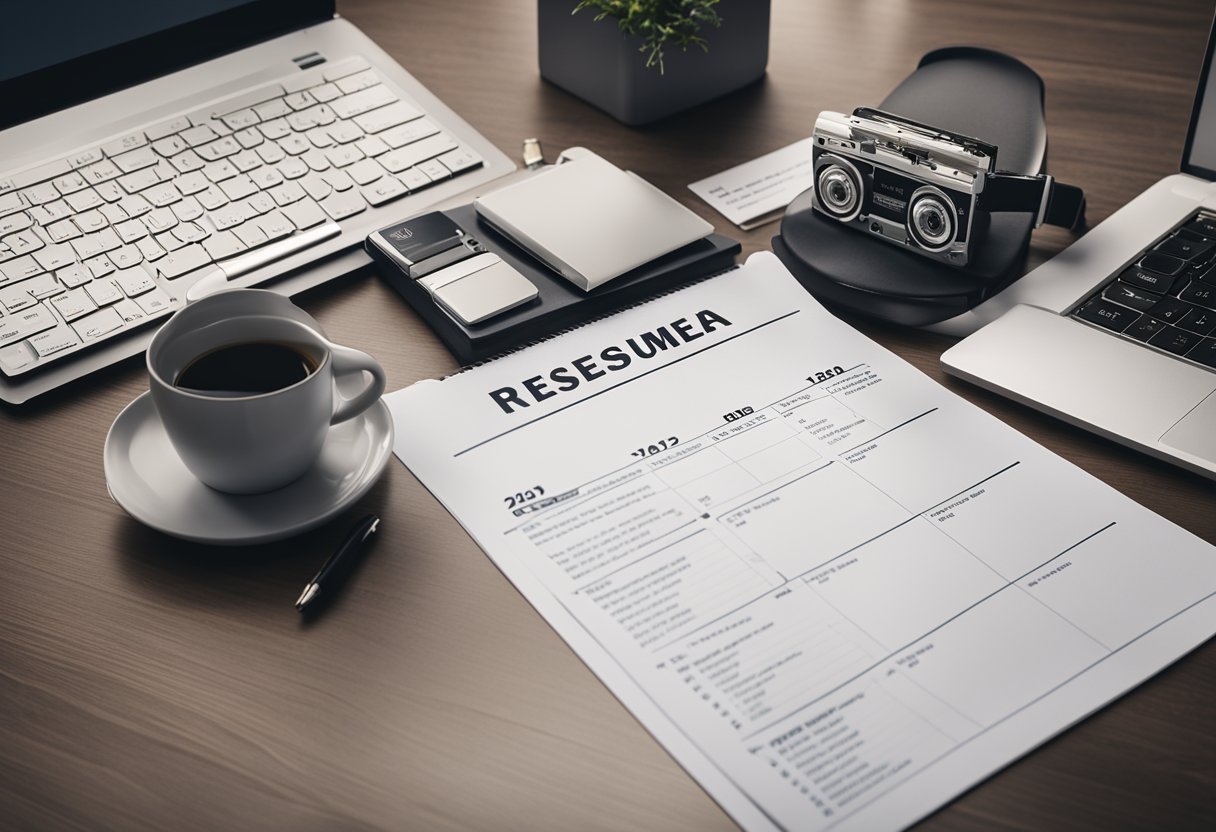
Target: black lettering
x=562 y=378
x=587 y=367
x=616 y=358
x=633 y=345
x=536 y=386
x=504 y=397
x=710 y=321
x=660 y=339
x=683 y=327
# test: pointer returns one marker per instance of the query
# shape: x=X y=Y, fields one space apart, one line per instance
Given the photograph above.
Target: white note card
x=837 y=593
x=756 y=192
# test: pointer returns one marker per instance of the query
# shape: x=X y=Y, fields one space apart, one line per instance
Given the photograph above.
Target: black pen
x=339 y=562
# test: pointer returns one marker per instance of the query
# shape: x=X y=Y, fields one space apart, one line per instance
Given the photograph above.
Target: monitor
x=54 y=55
x=1199 y=154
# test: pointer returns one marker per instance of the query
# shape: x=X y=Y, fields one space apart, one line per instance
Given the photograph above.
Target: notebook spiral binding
x=534 y=342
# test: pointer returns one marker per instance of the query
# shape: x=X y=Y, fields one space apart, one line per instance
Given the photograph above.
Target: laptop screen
x=56 y=54
x=1199 y=155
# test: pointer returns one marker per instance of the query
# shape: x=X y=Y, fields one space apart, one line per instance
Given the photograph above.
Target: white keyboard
x=110 y=238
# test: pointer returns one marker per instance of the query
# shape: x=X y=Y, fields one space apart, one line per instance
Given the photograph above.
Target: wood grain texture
x=151 y=684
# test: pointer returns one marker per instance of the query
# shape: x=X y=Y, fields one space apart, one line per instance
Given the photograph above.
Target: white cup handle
x=345 y=361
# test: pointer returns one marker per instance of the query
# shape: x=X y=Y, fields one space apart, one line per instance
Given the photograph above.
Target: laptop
x=1117 y=333
x=151 y=152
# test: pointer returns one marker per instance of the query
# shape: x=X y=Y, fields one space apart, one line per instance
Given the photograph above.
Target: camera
x=924 y=188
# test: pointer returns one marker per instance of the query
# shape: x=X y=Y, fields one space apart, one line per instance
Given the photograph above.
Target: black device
x=955 y=93
x=557 y=304
x=926 y=188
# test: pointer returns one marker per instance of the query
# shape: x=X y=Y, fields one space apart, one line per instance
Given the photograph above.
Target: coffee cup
x=247 y=387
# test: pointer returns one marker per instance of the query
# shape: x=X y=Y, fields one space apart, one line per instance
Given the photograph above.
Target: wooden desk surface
x=150 y=684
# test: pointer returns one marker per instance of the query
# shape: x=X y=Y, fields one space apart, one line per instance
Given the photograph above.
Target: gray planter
x=600 y=64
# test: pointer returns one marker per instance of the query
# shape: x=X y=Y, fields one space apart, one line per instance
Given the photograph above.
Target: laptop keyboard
x=1167 y=298
x=109 y=238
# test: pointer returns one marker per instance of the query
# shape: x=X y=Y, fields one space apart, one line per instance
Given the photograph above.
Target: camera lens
x=931 y=219
x=839 y=191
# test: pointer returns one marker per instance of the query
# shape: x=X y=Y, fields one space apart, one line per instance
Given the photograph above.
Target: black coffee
x=246 y=369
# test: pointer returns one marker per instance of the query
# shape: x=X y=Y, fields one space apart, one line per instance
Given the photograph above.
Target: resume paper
x=836 y=592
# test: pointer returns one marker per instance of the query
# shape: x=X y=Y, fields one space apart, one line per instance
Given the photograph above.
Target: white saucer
x=147 y=478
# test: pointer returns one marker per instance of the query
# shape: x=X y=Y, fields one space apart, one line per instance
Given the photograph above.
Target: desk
x=151 y=684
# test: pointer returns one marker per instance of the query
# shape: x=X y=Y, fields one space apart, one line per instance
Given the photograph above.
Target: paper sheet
x=836 y=592
x=756 y=192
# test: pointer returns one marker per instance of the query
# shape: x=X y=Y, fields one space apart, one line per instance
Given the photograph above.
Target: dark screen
x=37 y=35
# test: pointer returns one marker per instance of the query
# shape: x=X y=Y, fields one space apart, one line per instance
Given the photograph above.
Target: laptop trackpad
x=1195 y=433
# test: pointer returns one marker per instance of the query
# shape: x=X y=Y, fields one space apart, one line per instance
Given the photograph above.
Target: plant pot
x=602 y=65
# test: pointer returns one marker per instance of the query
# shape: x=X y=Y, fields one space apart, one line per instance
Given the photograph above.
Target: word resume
x=836 y=592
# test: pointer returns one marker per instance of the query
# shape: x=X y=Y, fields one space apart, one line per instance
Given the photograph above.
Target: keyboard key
x=228 y=216
x=25 y=323
x=372 y=146
x=342 y=68
x=211 y=198
x=1202 y=294
x=251 y=235
x=275 y=129
x=342 y=156
x=384 y=191
x=257 y=205
x=220 y=171
x=19 y=244
x=304 y=214
x=20 y=296
x=188 y=161
x=460 y=160
x=320 y=137
x=90 y=221
x=433 y=169
x=1162 y=263
x=139 y=159
x=98 y=325
x=270 y=153
x=200 y=135
x=358 y=81
x=53 y=340
x=325 y=92
x=55 y=257
x=128 y=310
x=19 y=269
x=223 y=244
x=62 y=230
x=1106 y=314
x=379 y=120
x=416 y=152
x=160 y=219
x=99 y=266
x=134 y=205
x=103 y=171
x=241 y=119
x=70 y=183
x=246 y=161
x=170 y=146
x=343 y=205
x=1172 y=339
x=122 y=145
x=292 y=168
x=134 y=281
x=104 y=292
x=113 y=213
x=15 y=222
x=294 y=145
x=73 y=304
x=73 y=275
x=130 y=231
x=316 y=160
x=126 y=257
x=11 y=202
x=299 y=100
x=1144 y=279
x=287 y=193
x=365 y=171
x=275 y=225
x=1204 y=352
x=1184 y=248
x=16 y=357
x=187 y=209
x=155 y=302
x=1198 y=321
x=161 y=194
x=184 y=260
x=1203 y=226
x=84 y=200
x=409 y=133
x=275 y=108
x=414 y=179
x=349 y=106
x=41 y=194
x=168 y=242
x=238 y=187
x=85 y=157
x=151 y=249
x=109 y=191
x=1171 y=310
x=249 y=138
x=218 y=149
x=338 y=180
x=1145 y=327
